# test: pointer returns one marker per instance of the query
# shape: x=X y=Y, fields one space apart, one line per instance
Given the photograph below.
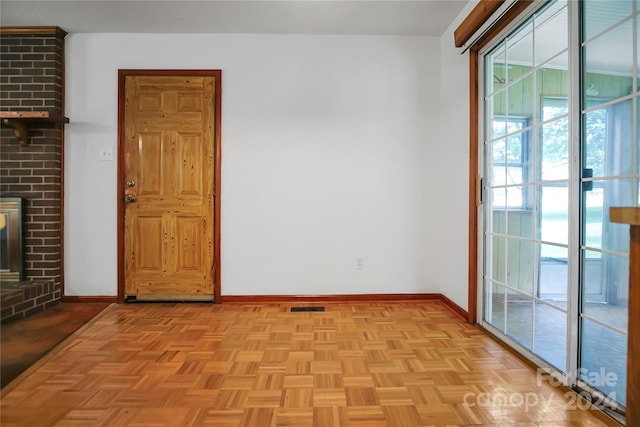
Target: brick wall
x=32 y=79
x=31 y=70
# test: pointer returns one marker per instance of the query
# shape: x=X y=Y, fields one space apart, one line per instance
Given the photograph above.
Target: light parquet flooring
x=356 y=364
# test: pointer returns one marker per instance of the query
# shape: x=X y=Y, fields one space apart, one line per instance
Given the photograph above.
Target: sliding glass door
x=560 y=137
x=609 y=151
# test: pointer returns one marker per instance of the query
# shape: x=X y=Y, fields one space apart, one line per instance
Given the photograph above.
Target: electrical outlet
x=359 y=263
x=106 y=154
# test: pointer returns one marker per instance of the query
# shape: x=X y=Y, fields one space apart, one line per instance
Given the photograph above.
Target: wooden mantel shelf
x=631 y=216
x=19 y=120
x=34 y=115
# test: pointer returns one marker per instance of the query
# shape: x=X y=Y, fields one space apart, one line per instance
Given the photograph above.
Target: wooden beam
x=472 y=23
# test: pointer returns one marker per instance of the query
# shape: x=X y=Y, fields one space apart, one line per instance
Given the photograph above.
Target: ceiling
x=377 y=17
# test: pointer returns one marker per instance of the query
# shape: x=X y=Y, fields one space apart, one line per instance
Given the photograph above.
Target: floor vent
x=294 y=309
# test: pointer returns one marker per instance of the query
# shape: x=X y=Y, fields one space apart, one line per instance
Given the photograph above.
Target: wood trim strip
x=62 y=161
x=474 y=182
x=36 y=31
x=120 y=183
x=217 y=185
x=101 y=298
x=169 y=72
x=455 y=308
x=316 y=299
x=633 y=337
x=294 y=299
x=476 y=18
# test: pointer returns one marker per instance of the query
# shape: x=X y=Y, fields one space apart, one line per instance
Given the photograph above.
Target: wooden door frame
x=217 y=150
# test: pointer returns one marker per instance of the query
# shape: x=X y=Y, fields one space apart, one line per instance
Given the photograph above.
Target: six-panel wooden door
x=169 y=187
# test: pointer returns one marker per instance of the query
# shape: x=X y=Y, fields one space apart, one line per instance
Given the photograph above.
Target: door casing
x=217 y=150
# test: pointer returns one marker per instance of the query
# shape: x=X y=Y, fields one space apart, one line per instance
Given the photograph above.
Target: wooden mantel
x=631 y=216
x=19 y=120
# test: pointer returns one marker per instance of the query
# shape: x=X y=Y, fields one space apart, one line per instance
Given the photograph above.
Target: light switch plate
x=106 y=154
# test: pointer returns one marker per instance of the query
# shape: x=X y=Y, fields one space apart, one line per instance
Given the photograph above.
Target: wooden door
x=168 y=187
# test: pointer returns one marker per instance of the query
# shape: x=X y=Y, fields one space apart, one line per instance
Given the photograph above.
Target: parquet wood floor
x=357 y=364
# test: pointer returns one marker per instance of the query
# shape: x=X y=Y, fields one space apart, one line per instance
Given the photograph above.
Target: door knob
x=130 y=198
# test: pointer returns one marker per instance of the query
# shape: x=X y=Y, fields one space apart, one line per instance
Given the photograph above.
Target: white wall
x=330 y=151
x=454 y=163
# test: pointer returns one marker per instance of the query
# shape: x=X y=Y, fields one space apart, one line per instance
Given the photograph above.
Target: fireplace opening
x=11 y=265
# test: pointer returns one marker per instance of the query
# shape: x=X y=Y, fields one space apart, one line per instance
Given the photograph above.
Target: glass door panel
x=551 y=334
x=519 y=322
x=609 y=179
x=554 y=276
x=595 y=11
x=603 y=366
x=527 y=186
x=552 y=37
x=495 y=305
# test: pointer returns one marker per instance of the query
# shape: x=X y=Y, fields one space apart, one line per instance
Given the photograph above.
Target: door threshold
x=169 y=298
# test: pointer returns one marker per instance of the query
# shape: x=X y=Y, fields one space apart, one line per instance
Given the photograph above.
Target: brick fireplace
x=31 y=161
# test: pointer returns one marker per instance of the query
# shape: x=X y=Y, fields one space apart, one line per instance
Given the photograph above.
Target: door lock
x=131 y=183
